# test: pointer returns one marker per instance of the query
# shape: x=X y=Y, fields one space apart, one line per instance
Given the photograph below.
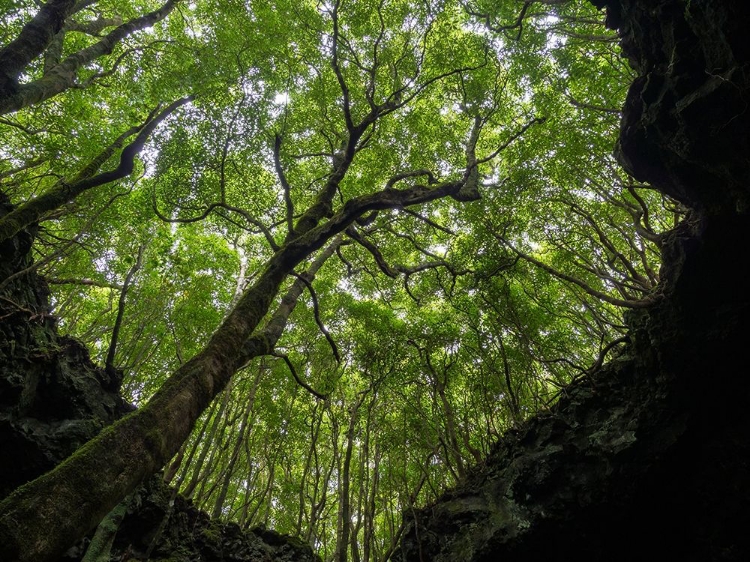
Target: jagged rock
x=162 y=526
x=649 y=458
x=686 y=117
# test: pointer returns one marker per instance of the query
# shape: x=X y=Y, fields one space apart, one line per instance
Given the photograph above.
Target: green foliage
x=452 y=322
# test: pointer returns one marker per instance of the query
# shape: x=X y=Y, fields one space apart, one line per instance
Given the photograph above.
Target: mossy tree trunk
x=41 y=519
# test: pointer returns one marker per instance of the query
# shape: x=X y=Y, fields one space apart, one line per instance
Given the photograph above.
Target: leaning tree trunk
x=648 y=459
x=40 y=520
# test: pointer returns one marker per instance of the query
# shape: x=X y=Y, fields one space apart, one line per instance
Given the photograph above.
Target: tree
x=661 y=465
x=359 y=121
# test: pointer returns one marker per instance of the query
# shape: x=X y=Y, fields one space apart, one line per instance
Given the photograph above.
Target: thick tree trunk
x=31 y=42
x=41 y=519
x=648 y=459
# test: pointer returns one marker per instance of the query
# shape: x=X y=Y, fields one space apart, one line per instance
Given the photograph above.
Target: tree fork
x=41 y=519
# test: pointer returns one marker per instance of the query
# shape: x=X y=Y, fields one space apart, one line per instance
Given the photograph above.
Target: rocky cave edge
x=648 y=458
x=645 y=459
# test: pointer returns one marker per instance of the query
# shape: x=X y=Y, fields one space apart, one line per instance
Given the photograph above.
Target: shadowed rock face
x=686 y=117
x=162 y=526
x=53 y=399
x=649 y=458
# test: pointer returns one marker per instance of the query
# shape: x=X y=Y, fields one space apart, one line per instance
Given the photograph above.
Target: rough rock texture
x=685 y=122
x=53 y=399
x=650 y=458
x=174 y=530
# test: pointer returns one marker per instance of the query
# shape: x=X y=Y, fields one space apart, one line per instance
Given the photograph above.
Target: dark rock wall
x=650 y=458
x=53 y=399
x=160 y=526
x=687 y=115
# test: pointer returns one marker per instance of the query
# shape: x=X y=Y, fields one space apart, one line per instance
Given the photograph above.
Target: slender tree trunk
x=345 y=483
x=101 y=544
x=109 y=363
x=207 y=446
x=174 y=466
x=216 y=448
x=229 y=471
x=187 y=465
x=303 y=490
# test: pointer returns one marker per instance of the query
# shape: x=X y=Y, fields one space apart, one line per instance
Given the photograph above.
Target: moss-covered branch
x=62 y=76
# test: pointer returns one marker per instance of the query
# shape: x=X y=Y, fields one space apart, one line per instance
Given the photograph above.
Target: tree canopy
x=335 y=248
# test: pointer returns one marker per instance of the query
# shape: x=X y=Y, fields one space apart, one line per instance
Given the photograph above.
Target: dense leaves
x=431 y=329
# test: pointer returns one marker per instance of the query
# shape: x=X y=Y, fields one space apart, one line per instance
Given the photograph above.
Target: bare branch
x=354 y=234
x=61 y=251
x=513 y=137
x=582 y=105
x=84 y=282
x=284 y=184
x=517 y=24
x=318 y=321
x=109 y=364
x=346 y=104
x=416 y=173
x=297 y=378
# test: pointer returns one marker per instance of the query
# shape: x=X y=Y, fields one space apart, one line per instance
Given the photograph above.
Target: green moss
x=211 y=534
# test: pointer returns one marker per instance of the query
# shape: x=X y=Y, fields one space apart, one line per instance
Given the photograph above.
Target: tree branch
x=316 y=314
x=643 y=303
x=284 y=184
x=34 y=210
x=32 y=40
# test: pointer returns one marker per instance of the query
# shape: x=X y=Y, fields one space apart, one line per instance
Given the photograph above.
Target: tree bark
x=41 y=519
x=31 y=42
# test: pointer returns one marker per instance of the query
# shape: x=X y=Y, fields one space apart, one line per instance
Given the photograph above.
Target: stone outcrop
x=161 y=526
x=53 y=399
x=647 y=459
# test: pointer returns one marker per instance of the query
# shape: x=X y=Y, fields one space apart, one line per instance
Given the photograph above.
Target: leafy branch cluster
x=336 y=248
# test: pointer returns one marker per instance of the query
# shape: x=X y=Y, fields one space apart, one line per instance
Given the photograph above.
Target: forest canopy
x=376 y=233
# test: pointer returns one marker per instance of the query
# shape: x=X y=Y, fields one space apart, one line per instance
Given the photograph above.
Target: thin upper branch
x=34 y=210
x=284 y=184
